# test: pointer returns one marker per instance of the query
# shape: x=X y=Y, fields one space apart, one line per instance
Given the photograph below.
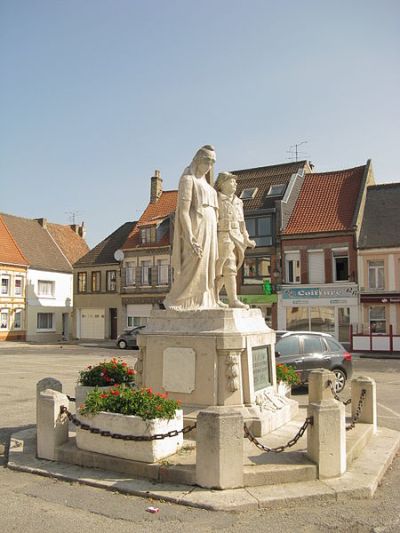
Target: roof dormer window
x=276 y=190
x=248 y=194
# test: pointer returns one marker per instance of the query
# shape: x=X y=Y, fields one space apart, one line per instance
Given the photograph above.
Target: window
x=111 y=277
x=130 y=274
x=248 y=194
x=145 y=271
x=45 y=321
x=256 y=270
x=147 y=235
x=316 y=266
x=82 y=281
x=376 y=275
x=5 y=285
x=162 y=271
x=313 y=344
x=4 y=319
x=96 y=281
x=276 y=190
x=260 y=229
x=46 y=288
x=377 y=319
x=133 y=321
x=340 y=265
x=292 y=267
x=18 y=286
x=18 y=319
x=288 y=346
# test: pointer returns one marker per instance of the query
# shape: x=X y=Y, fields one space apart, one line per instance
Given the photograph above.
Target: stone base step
x=356 y=440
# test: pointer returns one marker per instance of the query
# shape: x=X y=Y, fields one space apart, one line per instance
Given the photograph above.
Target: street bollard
x=219 y=448
x=326 y=438
x=368 y=413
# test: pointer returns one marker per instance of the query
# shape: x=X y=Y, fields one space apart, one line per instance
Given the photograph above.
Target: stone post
x=368 y=412
x=219 y=448
x=46 y=383
x=52 y=428
x=326 y=438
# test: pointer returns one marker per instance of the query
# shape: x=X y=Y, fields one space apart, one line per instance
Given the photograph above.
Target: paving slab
x=360 y=481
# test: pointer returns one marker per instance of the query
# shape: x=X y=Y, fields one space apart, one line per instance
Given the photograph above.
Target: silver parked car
x=127 y=339
x=308 y=350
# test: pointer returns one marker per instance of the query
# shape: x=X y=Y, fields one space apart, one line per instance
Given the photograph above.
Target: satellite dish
x=119 y=255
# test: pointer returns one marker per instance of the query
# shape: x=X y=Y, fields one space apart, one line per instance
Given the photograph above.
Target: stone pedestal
x=368 y=413
x=217 y=357
x=52 y=427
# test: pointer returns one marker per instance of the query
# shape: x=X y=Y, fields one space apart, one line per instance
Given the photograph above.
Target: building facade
x=13 y=268
x=320 y=289
x=379 y=262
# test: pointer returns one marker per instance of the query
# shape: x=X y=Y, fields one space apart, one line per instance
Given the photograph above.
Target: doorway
x=113 y=322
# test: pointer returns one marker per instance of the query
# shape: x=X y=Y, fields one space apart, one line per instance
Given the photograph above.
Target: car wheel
x=122 y=344
x=340 y=379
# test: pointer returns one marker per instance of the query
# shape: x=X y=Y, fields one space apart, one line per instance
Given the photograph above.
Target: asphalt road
x=32 y=503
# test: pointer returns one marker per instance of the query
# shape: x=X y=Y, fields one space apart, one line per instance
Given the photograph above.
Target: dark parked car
x=127 y=339
x=308 y=350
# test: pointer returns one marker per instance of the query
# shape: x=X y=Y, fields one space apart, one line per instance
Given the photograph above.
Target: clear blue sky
x=96 y=94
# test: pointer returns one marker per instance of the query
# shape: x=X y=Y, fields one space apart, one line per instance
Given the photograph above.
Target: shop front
x=323 y=308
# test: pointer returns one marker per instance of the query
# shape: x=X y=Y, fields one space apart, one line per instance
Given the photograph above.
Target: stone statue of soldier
x=233 y=239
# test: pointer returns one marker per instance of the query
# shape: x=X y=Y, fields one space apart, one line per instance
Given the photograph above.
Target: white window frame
x=21 y=313
x=296 y=267
x=21 y=279
x=7 y=278
x=130 y=274
x=375 y=319
x=46 y=283
x=278 y=189
x=248 y=194
x=376 y=269
x=51 y=328
x=162 y=272
x=6 y=312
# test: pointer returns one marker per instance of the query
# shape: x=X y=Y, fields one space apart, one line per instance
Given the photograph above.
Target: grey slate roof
x=103 y=253
x=36 y=244
x=381 y=224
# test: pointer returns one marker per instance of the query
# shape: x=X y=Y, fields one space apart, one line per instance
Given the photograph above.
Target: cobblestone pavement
x=31 y=503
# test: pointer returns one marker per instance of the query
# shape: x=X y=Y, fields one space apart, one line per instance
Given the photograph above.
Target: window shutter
x=316 y=267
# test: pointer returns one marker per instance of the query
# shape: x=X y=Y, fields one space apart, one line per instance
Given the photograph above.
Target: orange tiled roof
x=72 y=245
x=326 y=202
x=154 y=212
x=10 y=254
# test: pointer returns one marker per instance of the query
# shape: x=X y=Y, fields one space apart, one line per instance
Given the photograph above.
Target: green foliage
x=107 y=373
x=127 y=401
x=287 y=373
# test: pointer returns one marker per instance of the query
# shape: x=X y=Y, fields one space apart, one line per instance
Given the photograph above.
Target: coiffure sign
x=298 y=293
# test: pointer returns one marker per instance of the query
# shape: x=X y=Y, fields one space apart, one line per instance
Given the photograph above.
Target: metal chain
x=356 y=416
x=332 y=386
x=278 y=449
x=119 y=436
x=71 y=399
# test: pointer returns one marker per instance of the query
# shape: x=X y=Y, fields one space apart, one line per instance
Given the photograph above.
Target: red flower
x=131 y=372
x=115 y=392
x=103 y=395
x=149 y=390
x=124 y=364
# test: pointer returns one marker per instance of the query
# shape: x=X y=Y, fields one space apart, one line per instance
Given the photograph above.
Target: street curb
x=360 y=481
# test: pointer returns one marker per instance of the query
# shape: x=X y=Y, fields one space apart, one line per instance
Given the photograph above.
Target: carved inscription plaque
x=261 y=356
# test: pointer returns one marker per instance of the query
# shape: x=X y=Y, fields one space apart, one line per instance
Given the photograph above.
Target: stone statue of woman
x=195 y=246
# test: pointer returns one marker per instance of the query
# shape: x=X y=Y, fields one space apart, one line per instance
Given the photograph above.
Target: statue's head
x=226 y=183
x=203 y=160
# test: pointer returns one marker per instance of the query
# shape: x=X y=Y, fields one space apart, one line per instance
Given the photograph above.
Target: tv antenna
x=294 y=151
x=72 y=216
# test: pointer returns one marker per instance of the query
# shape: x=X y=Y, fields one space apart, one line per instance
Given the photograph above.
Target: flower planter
x=81 y=391
x=284 y=389
x=149 y=452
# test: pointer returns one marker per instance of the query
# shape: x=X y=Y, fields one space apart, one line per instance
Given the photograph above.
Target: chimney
x=156 y=187
x=79 y=229
x=42 y=222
